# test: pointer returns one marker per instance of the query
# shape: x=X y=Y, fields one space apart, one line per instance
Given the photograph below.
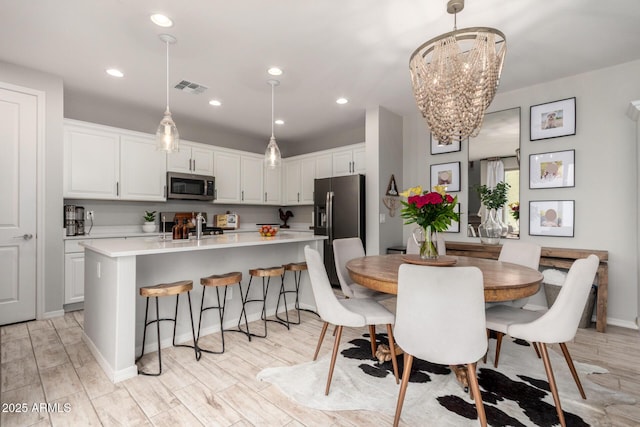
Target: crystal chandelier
x=167 y=137
x=455 y=77
x=272 y=157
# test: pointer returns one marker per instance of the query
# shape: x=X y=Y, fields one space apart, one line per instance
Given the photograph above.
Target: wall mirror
x=498 y=140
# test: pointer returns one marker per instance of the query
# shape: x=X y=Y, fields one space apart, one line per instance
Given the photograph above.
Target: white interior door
x=18 y=144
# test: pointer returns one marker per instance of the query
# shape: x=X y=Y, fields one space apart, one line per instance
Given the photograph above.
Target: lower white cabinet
x=74 y=270
x=73 y=278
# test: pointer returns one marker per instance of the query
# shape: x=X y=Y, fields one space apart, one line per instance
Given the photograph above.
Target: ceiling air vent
x=191 y=87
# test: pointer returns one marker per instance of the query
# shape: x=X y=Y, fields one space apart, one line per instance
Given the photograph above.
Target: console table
x=550 y=257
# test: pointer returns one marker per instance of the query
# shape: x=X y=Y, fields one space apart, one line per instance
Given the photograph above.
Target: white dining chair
x=344 y=250
x=351 y=312
x=414 y=249
x=522 y=253
x=558 y=325
x=440 y=319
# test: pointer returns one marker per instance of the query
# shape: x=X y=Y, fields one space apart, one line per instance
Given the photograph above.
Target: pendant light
x=167 y=137
x=272 y=157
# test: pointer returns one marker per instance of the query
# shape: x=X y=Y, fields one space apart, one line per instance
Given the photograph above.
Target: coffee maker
x=74 y=220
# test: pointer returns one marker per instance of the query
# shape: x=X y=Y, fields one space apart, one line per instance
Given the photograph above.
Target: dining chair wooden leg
x=499 y=336
x=320 y=339
x=535 y=347
x=484 y=359
x=333 y=358
x=406 y=373
x=552 y=382
x=475 y=390
x=392 y=348
x=572 y=368
x=372 y=335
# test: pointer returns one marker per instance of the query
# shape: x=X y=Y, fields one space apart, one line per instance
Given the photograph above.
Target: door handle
x=26 y=236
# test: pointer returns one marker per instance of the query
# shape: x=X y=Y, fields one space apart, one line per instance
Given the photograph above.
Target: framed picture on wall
x=551 y=218
x=447 y=174
x=452 y=146
x=454 y=227
x=553 y=119
x=552 y=170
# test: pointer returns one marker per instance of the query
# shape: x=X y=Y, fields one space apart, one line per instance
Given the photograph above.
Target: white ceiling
x=359 y=49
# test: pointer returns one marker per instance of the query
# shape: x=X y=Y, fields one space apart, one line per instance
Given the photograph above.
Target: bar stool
x=217 y=281
x=296 y=268
x=267 y=273
x=165 y=290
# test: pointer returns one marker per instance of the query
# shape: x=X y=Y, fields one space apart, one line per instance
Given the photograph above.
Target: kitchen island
x=115 y=269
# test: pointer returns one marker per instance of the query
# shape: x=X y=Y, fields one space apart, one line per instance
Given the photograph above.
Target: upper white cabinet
x=299 y=174
x=142 y=169
x=251 y=178
x=349 y=160
x=239 y=177
x=106 y=163
x=307 y=177
x=227 y=173
x=324 y=165
x=192 y=158
x=273 y=186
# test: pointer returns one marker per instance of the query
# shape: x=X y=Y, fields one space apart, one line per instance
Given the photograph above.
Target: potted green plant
x=149 y=225
x=492 y=228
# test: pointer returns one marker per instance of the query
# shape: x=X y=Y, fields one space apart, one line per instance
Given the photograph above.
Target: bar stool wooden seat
x=217 y=281
x=296 y=268
x=165 y=290
x=264 y=273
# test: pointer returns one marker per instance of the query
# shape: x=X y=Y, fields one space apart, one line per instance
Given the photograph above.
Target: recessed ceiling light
x=279 y=122
x=215 y=103
x=115 y=72
x=161 y=20
x=274 y=71
x=342 y=101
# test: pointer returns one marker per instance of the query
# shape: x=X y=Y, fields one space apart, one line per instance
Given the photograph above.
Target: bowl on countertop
x=268 y=230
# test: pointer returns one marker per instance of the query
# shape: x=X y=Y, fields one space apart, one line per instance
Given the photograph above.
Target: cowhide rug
x=515 y=394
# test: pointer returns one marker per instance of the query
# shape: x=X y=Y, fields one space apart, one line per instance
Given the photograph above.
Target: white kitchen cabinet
x=273 y=186
x=91 y=163
x=299 y=174
x=251 y=178
x=192 y=158
x=349 y=160
x=324 y=165
x=101 y=162
x=142 y=169
x=73 y=278
x=227 y=172
x=308 y=176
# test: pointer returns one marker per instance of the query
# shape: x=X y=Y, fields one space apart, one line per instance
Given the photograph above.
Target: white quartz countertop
x=155 y=245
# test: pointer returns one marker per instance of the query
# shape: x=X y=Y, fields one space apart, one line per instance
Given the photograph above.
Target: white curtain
x=495 y=174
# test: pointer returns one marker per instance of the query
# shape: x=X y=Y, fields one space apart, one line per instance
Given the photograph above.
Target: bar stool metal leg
x=220 y=307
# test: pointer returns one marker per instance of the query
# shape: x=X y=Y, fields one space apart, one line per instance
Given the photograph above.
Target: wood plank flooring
x=46 y=363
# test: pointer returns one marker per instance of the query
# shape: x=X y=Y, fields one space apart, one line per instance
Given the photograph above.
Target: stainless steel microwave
x=186 y=186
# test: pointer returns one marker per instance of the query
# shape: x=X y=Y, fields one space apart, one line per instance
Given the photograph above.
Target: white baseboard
x=52 y=314
x=113 y=375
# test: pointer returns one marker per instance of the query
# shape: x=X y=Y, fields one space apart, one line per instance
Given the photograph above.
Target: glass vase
x=491 y=228
x=426 y=238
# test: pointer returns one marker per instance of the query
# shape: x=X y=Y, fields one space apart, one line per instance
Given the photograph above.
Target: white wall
x=51 y=281
x=606 y=165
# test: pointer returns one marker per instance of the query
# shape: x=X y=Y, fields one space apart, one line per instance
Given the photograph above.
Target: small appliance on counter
x=169 y=219
x=74 y=220
x=228 y=221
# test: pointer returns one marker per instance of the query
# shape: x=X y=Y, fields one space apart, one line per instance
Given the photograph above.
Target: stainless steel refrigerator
x=339 y=212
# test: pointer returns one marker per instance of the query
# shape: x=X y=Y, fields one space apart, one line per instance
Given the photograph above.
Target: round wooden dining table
x=503 y=281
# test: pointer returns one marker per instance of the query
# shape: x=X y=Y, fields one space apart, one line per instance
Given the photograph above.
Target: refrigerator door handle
x=330 y=215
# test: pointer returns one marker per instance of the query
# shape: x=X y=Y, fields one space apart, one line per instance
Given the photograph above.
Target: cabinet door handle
x=117 y=188
x=265 y=196
x=242 y=196
x=194 y=165
x=215 y=194
x=298 y=197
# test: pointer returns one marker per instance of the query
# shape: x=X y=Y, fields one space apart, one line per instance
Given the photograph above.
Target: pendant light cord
x=272 y=107
x=167 y=43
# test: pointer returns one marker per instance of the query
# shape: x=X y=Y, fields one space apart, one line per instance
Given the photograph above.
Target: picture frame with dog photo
x=553 y=119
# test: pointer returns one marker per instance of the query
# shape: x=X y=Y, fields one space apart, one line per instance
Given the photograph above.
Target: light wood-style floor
x=47 y=362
